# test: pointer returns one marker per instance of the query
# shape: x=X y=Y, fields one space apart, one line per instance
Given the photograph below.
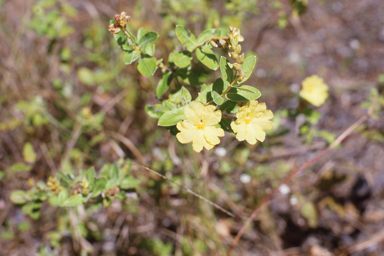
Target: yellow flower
x=314 y=90
x=252 y=120
x=199 y=128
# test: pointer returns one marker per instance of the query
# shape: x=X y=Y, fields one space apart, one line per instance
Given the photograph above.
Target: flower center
x=247 y=119
x=200 y=124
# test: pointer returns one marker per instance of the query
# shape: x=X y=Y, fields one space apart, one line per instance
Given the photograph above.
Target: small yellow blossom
x=314 y=90
x=199 y=128
x=252 y=120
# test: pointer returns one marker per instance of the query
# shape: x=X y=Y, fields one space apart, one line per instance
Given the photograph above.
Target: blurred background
x=68 y=102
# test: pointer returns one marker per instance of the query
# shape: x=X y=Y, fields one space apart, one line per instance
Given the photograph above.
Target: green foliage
x=71 y=190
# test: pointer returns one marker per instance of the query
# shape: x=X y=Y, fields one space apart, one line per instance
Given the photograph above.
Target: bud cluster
x=84 y=184
x=54 y=184
x=232 y=43
x=120 y=23
x=234 y=38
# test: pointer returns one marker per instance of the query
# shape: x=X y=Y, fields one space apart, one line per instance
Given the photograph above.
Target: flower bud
x=222 y=42
x=233 y=42
x=213 y=43
x=240 y=59
x=233 y=55
x=238 y=49
x=240 y=75
x=236 y=66
x=236 y=32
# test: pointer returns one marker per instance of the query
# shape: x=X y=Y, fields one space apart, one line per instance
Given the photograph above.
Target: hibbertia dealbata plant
x=224 y=105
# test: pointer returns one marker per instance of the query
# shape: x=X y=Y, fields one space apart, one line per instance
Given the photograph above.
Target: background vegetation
x=68 y=103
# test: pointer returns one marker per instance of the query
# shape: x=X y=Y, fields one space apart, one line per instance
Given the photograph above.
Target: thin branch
x=293 y=174
x=190 y=192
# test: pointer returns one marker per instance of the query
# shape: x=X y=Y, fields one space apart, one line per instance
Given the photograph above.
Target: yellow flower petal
x=190 y=114
x=250 y=134
x=252 y=120
x=314 y=90
x=211 y=134
x=198 y=141
x=211 y=116
x=199 y=128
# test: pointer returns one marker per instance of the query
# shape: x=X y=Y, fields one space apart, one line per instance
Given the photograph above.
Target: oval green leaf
x=243 y=93
x=147 y=66
x=182 y=59
x=186 y=37
x=130 y=57
x=206 y=35
x=163 y=84
x=207 y=57
x=248 y=66
x=141 y=32
x=217 y=98
x=146 y=39
x=226 y=70
x=185 y=95
x=172 y=117
x=99 y=186
x=74 y=200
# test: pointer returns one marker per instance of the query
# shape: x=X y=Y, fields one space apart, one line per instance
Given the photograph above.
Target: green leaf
x=29 y=154
x=205 y=89
x=147 y=66
x=172 y=117
x=99 y=186
x=186 y=37
x=90 y=176
x=141 y=32
x=207 y=57
x=163 y=84
x=113 y=172
x=243 y=93
x=185 y=95
x=150 y=49
x=64 y=179
x=230 y=107
x=129 y=183
x=146 y=39
x=182 y=59
x=206 y=35
x=248 y=66
x=225 y=124
x=74 y=200
x=121 y=40
x=62 y=196
x=220 y=86
x=226 y=70
x=188 y=77
x=154 y=112
x=19 y=197
x=130 y=57
x=217 y=98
